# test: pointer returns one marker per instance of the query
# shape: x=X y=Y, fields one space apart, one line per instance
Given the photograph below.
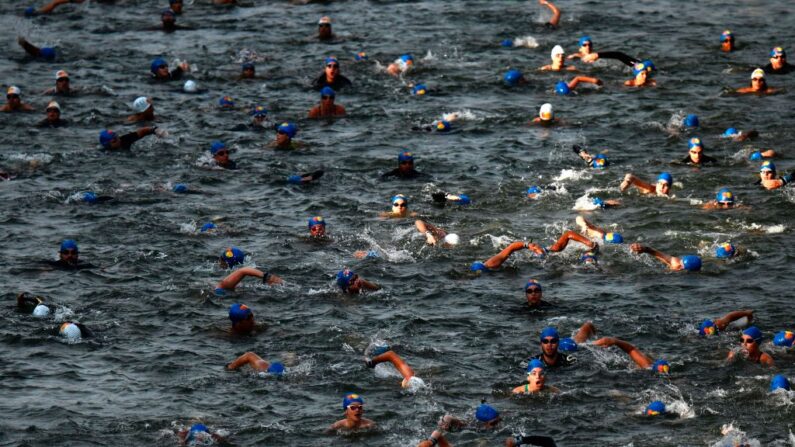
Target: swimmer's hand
x=439 y=197
x=590 y=57
x=637 y=248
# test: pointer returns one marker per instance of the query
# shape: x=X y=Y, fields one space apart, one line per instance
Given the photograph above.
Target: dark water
x=157 y=360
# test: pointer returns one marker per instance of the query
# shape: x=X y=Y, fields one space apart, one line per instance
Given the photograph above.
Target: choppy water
x=157 y=362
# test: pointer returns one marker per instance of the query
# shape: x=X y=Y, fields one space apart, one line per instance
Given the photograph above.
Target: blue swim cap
x=180 y=188
x=47 y=53
x=105 y=137
x=691 y=120
x=197 y=428
x=533 y=190
x=276 y=368
x=317 y=220
x=295 y=179
x=724 y=195
x=258 y=111
x=68 y=244
x=695 y=142
x=168 y=12
x=598 y=202
x=287 y=128
x=567 y=344
x=755 y=156
x=779 y=382
x=665 y=177
x=535 y=363
x=647 y=66
x=406 y=58
x=725 y=250
x=691 y=263
x=405 y=156
x=784 y=338
x=486 y=413
x=707 y=327
x=30 y=11
x=328 y=91
x=330 y=60
x=419 y=90
x=239 y=312
x=599 y=161
x=754 y=333
x=533 y=283
x=360 y=56
x=661 y=366
x=562 y=88
x=226 y=101
x=506 y=43
x=549 y=332
x=768 y=165
x=351 y=398
x=216 y=146
x=584 y=39
x=512 y=77
x=344 y=278
x=655 y=408
x=613 y=238
x=89 y=197
x=233 y=256
x=478 y=266
x=778 y=51
x=397 y=197
x=726 y=35
x=730 y=132
x=157 y=62
x=247 y=66
x=588 y=258
x=207 y=227
x=443 y=126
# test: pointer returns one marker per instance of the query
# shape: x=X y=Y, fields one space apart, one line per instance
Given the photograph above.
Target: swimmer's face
x=62 y=84
x=641 y=77
x=327 y=99
x=53 y=114
x=558 y=58
x=168 y=19
x=259 y=119
x=162 y=71
x=282 y=138
x=70 y=256
x=728 y=44
x=176 y=7
x=400 y=207
x=586 y=48
x=317 y=230
x=662 y=188
x=533 y=295
x=247 y=73
x=222 y=156
x=245 y=326
x=549 y=345
x=354 y=411
x=332 y=70
x=695 y=154
x=748 y=344
x=406 y=166
x=355 y=286
x=778 y=61
x=767 y=174
x=14 y=99
x=324 y=30
x=758 y=83
x=536 y=378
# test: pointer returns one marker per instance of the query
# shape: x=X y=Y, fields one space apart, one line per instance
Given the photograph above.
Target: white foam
x=525 y=41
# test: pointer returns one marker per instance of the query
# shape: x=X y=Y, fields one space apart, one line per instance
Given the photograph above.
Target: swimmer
x=353 y=406
x=226 y=102
x=655 y=408
x=564 y=88
x=486 y=418
x=642 y=360
x=242 y=318
x=401 y=65
x=711 y=327
x=256 y=363
x=14 y=101
x=553 y=22
x=749 y=348
x=176 y=6
x=662 y=188
x=53 y=117
x=642 y=72
x=691 y=121
x=110 y=140
x=324 y=31
x=727 y=41
x=696 y=154
x=778 y=62
x=46 y=53
x=563 y=241
x=391 y=357
x=49 y=7
x=74 y=331
x=331 y=76
x=558 y=61
x=285 y=132
x=33 y=305
x=317 y=227
x=198 y=434
x=767 y=177
x=405 y=169
x=534 y=294
x=434 y=234
x=327 y=108
x=168 y=20
x=247 y=71
x=724 y=200
x=758 y=84
x=220 y=154
x=691 y=263
x=400 y=208
x=546 y=116
x=351 y=283
x=586 y=47
x=536 y=380
x=785 y=339
x=598 y=161
x=259 y=118
x=62 y=85
x=513 y=77
x=442 y=198
x=144 y=110
x=740 y=136
x=588 y=55
x=69 y=257
x=159 y=70
x=550 y=343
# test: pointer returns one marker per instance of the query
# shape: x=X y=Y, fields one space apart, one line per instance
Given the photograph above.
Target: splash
x=526 y=41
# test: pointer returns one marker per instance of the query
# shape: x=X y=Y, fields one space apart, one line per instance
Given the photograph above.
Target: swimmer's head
x=141 y=104
x=707 y=328
x=695 y=142
x=665 y=177
x=68 y=244
x=725 y=250
x=724 y=197
x=330 y=60
x=360 y=56
x=754 y=333
x=661 y=367
x=691 y=263
x=197 y=432
x=779 y=382
x=549 y=334
x=533 y=192
x=655 y=408
x=190 y=87
x=209 y=226
x=41 y=311
x=598 y=202
x=54 y=106
x=768 y=165
x=562 y=88
x=778 y=51
x=451 y=239
x=506 y=43
x=691 y=120
x=317 y=220
x=70 y=330
x=398 y=200
x=589 y=258
x=258 y=111
x=567 y=344
x=755 y=156
x=782 y=338
x=443 y=125
x=288 y=129
x=478 y=266
x=344 y=278
x=486 y=413
x=47 y=53
x=226 y=102
x=646 y=66
x=239 y=312
x=350 y=399
x=407 y=59
x=180 y=188
x=89 y=197
x=726 y=35
x=535 y=364
x=512 y=77
x=216 y=146
x=248 y=66
x=327 y=92
x=557 y=50
x=157 y=64
x=419 y=90
x=459 y=199
x=533 y=284
x=106 y=138
x=758 y=74
x=405 y=157
x=233 y=256
x=585 y=41
x=731 y=132
x=613 y=238
x=276 y=368
x=599 y=161
x=546 y=113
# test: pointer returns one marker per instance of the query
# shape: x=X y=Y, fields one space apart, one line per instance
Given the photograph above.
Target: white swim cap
x=70 y=331
x=758 y=73
x=546 y=113
x=53 y=105
x=452 y=239
x=190 y=87
x=41 y=311
x=556 y=50
x=141 y=104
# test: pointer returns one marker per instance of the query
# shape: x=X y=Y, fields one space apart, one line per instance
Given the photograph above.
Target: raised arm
x=555 y=12
x=497 y=260
x=727 y=319
x=671 y=261
x=630 y=179
x=569 y=235
x=29 y=48
x=640 y=359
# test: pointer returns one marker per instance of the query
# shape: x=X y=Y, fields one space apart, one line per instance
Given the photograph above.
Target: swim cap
x=47 y=53
x=532 y=283
x=724 y=195
x=784 y=338
x=725 y=250
x=407 y=59
x=61 y=74
x=507 y=43
x=41 y=311
x=216 y=146
x=168 y=12
x=276 y=368
x=190 y=87
x=207 y=227
x=535 y=363
x=233 y=256
x=567 y=344
x=451 y=239
x=707 y=327
x=325 y=20
x=767 y=166
x=695 y=142
x=328 y=91
x=351 y=398
x=13 y=90
x=726 y=35
x=239 y=312
x=141 y=104
x=665 y=177
x=779 y=382
x=344 y=278
x=360 y=56
x=157 y=62
x=512 y=77
x=584 y=39
x=598 y=202
x=419 y=90
x=478 y=266
x=730 y=132
x=562 y=88
x=557 y=49
x=655 y=408
x=259 y=111
x=443 y=125
x=330 y=60
x=661 y=366
x=754 y=333
x=405 y=156
x=295 y=179
x=379 y=349
x=533 y=190
x=588 y=258
x=289 y=129
x=486 y=413
x=105 y=137
x=691 y=263
x=89 y=197
x=778 y=51
x=397 y=197
x=599 y=161
x=549 y=332
x=68 y=244
x=758 y=73
x=640 y=67
x=545 y=112
x=30 y=11
x=71 y=331
x=691 y=120
x=755 y=156
x=247 y=66
x=53 y=105
x=613 y=238
x=200 y=430
x=317 y=220
x=226 y=101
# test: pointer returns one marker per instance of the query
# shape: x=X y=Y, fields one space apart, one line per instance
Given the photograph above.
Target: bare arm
x=436 y=438
x=369 y=285
x=725 y=320
x=234 y=278
x=583 y=80
x=498 y=259
x=640 y=359
x=644 y=187
x=29 y=48
x=431 y=232
x=569 y=235
x=585 y=332
x=555 y=12
x=671 y=261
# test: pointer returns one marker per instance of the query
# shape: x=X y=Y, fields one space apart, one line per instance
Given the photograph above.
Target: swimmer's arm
x=369 y=285
x=436 y=439
x=339 y=110
x=234 y=278
x=46 y=9
x=640 y=359
x=431 y=232
x=26 y=107
x=766 y=360
x=314 y=112
x=711 y=205
x=449 y=422
x=574 y=56
x=583 y=80
x=670 y=261
x=727 y=319
x=630 y=179
x=29 y=48
x=144 y=131
x=770 y=153
x=555 y=12
x=336 y=426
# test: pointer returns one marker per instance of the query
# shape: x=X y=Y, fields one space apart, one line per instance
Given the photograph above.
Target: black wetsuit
x=127 y=140
x=705 y=159
x=563 y=360
x=63 y=265
x=413 y=174
x=174 y=75
x=542 y=441
x=623 y=57
x=339 y=82
x=786 y=69
x=48 y=123
x=228 y=165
